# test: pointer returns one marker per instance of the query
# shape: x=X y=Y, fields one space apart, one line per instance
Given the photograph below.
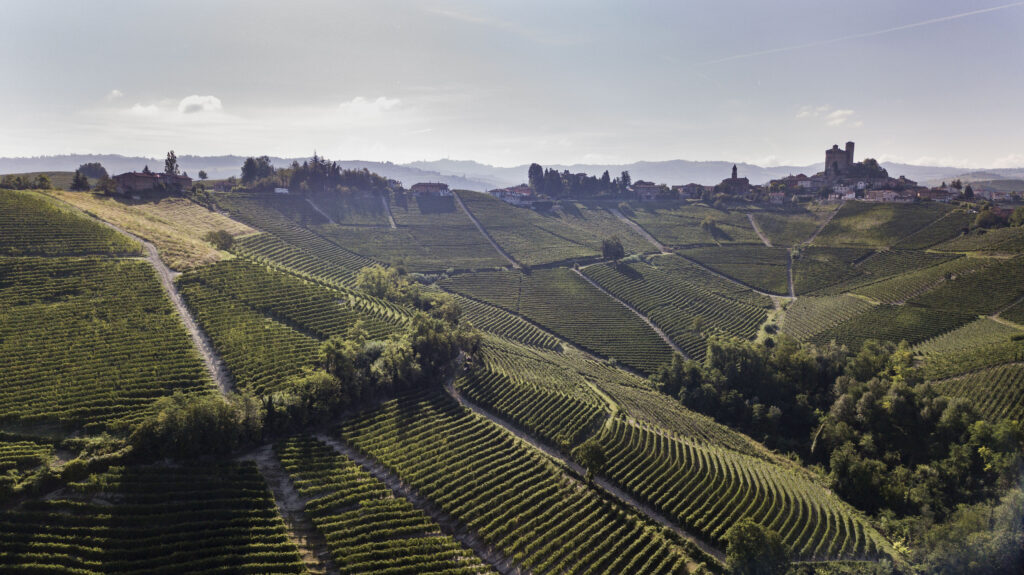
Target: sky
x=934 y=82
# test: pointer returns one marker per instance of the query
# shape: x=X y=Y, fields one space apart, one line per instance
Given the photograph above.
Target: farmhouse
x=430 y=189
x=646 y=191
x=520 y=195
x=130 y=182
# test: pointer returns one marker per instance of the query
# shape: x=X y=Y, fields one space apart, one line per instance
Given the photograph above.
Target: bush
x=754 y=550
x=221 y=239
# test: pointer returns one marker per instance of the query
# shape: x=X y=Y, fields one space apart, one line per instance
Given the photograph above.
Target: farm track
x=602 y=484
x=449 y=524
x=789 y=273
x=823 y=224
x=757 y=230
x=476 y=222
x=317 y=209
x=733 y=280
x=311 y=543
x=387 y=210
x=647 y=320
x=213 y=362
x=640 y=230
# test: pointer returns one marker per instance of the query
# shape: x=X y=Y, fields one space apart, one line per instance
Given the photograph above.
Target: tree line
x=555 y=184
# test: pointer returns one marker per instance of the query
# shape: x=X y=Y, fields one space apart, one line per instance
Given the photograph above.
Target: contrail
x=862 y=35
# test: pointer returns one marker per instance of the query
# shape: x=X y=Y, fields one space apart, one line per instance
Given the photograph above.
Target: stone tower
x=734 y=169
x=849 y=153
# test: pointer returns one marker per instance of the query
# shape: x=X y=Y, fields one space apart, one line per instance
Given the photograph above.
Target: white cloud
x=115 y=94
x=196 y=103
x=1010 y=161
x=145 y=110
x=359 y=108
x=841 y=117
x=838 y=117
x=811 y=111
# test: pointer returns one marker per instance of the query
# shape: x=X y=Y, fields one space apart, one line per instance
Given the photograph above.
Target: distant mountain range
x=470 y=175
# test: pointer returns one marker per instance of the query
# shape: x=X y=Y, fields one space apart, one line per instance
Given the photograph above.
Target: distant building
x=689 y=191
x=430 y=189
x=131 y=182
x=838 y=162
x=937 y=195
x=520 y=195
x=735 y=185
x=647 y=191
x=776 y=197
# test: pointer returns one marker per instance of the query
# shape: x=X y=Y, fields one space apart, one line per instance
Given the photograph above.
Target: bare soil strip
x=501 y=251
x=757 y=229
x=640 y=230
x=319 y=211
x=387 y=210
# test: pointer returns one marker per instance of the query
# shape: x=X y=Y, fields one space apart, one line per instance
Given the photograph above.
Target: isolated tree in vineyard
x=754 y=550
x=611 y=248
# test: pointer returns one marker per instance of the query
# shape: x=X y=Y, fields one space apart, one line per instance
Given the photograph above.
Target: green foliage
x=31 y=224
x=79 y=182
x=989 y=219
x=186 y=427
x=222 y=239
x=984 y=539
x=256 y=169
x=202 y=175
x=611 y=249
x=878 y=225
x=753 y=550
x=761 y=267
x=171 y=164
x=591 y=456
x=93 y=170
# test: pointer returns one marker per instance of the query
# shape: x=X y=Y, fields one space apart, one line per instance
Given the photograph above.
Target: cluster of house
x=134 y=182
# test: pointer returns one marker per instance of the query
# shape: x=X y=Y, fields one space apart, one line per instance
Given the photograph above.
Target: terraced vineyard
x=791 y=227
x=961 y=361
x=903 y=287
x=260 y=353
x=86 y=341
x=878 y=225
x=983 y=332
x=500 y=322
x=367 y=528
x=882 y=265
x=999 y=241
x=682 y=226
x=530 y=238
x=946 y=227
x=596 y=221
x=19 y=458
x=567 y=305
x=996 y=393
x=893 y=323
x=32 y=224
x=154 y=521
x=686 y=301
x=810 y=315
x=351 y=209
x=760 y=267
x=817 y=268
x=313 y=309
x=707 y=490
x=507 y=494
x=1014 y=313
x=274 y=251
x=979 y=293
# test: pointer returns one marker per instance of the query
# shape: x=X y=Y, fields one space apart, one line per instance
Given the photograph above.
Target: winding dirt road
x=757 y=230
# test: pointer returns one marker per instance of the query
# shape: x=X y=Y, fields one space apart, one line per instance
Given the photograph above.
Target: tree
x=591 y=456
x=625 y=181
x=254 y=169
x=93 y=170
x=969 y=192
x=43 y=182
x=202 y=175
x=79 y=182
x=611 y=248
x=105 y=186
x=146 y=170
x=1017 y=217
x=754 y=550
x=536 y=178
x=171 y=164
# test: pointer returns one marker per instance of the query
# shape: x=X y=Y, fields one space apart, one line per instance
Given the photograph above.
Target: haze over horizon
x=511 y=83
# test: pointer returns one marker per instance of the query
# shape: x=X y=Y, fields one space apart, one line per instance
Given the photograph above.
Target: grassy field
x=175 y=225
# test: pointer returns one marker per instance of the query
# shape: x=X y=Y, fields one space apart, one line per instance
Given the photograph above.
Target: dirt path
x=319 y=211
x=823 y=224
x=639 y=229
x=449 y=524
x=214 y=365
x=603 y=484
x=311 y=543
x=789 y=272
x=387 y=210
x=757 y=229
x=647 y=320
x=503 y=253
x=996 y=315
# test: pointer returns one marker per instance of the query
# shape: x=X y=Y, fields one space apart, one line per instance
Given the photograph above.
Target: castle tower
x=734 y=170
x=849 y=153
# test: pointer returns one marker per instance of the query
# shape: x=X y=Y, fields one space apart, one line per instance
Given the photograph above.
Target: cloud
x=1010 y=161
x=840 y=117
x=144 y=110
x=115 y=94
x=196 y=103
x=359 y=108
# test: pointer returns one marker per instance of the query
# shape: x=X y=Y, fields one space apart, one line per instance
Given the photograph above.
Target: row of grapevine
x=507 y=494
x=878 y=225
x=89 y=342
x=530 y=238
x=316 y=310
x=274 y=251
x=815 y=268
x=260 y=353
x=566 y=373
x=1014 y=313
x=906 y=286
x=351 y=209
x=692 y=225
x=979 y=293
x=810 y=315
x=792 y=226
x=996 y=393
x=884 y=264
x=32 y=224
x=500 y=322
x=982 y=332
x=707 y=490
x=948 y=226
x=683 y=300
x=955 y=362
x=367 y=528
x=154 y=521
x=758 y=266
x=562 y=302
x=893 y=323
x=996 y=241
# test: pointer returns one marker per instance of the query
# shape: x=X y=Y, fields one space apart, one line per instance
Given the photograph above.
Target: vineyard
x=878 y=225
x=996 y=393
x=563 y=303
x=983 y=332
x=757 y=266
x=153 y=521
x=508 y=494
x=946 y=227
x=791 y=228
x=998 y=241
x=32 y=224
x=90 y=342
x=979 y=293
x=530 y=238
x=706 y=490
x=893 y=323
x=367 y=528
x=903 y=287
x=817 y=268
x=882 y=265
x=686 y=301
x=19 y=458
x=1014 y=313
x=351 y=209
x=810 y=315
x=500 y=322
x=684 y=226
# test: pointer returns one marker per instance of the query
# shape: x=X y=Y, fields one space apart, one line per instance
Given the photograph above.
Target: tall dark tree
x=202 y=175
x=93 y=170
x=969 y=192
x=754 y=550
x=611 y=248
x=79 y=182
x=171 y=164
x=146 y=170
x=256 y=169
x=536 y=178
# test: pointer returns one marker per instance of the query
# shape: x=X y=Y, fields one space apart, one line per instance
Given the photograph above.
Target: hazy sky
x=923 y=81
